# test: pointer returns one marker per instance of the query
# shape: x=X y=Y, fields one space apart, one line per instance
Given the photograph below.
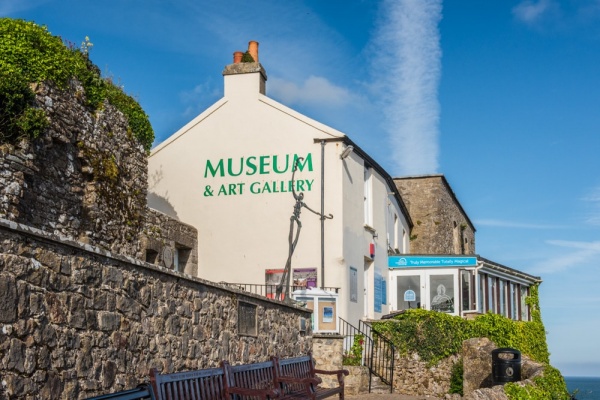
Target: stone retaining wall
x=414 y=377
x=85 y=178
x=77 y=321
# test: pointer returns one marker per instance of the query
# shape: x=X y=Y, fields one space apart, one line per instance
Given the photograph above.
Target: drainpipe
x=322 y=215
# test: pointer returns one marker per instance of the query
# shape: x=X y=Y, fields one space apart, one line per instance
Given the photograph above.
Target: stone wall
x=440 y=224
x=85 y=178
x=327 y=353
x=76 y=320
x=413 y=376
x=170 y=243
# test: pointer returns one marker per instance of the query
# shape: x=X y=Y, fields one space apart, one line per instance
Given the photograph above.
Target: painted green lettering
x=250 y=163
x=263 y=164
x=229 y=167
x=309 y=184
x=266 y=188
x=253 y=188
x=213 y=171
x=222 y=190
x=232 y=187
x=287 y=164
x=300 y=186
x=241 y=187
x=307 y=162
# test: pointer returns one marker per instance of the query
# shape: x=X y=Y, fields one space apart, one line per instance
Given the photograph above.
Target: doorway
x=428 y=289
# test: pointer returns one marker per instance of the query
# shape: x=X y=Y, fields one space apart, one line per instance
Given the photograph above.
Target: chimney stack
x=253 y=49
x=237 y=57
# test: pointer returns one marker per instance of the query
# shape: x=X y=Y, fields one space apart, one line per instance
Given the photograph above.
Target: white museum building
x=230 y=173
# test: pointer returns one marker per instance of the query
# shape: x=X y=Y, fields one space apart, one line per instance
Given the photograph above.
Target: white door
x=430 y=289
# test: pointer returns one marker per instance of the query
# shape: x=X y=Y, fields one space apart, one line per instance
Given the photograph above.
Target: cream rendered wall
x=242 y=234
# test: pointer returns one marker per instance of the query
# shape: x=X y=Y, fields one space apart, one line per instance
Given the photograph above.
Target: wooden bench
x=204 y=384
x=250 y=380
x=298 y=378
x=142 y=392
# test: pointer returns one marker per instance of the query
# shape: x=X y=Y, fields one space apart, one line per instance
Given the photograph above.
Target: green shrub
x=456 y=378
x=435 y=336
x=17 y=116
x=550 y=386
x=354 y=356
x=30 y=54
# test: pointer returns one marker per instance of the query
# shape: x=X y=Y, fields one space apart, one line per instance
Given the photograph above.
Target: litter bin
x=506 y=365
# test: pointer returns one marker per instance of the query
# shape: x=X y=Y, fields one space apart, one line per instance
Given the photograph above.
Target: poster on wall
x=327 y=314
x=353 y=285
x=378 y=294
x=272 y=279
x=304 y=278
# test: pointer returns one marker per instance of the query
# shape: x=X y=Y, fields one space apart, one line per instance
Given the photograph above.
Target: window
x=441 y=293
x=151 y=256
x=247 y=319
x=491 y=304
x=481 y=291
x=502 y=295
x=181 y=257
x=524 y=306
x=467 y=291
x=353 y=285
x=396 y=234
x=368 y=196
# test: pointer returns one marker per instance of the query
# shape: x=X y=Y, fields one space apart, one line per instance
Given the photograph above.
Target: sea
x=588 y=388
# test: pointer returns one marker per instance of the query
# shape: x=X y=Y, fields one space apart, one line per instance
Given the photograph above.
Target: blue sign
x=431 y=261
x=378 y=295
x=410 y=295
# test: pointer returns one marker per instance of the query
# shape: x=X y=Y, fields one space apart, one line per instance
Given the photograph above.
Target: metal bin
x=506 y=365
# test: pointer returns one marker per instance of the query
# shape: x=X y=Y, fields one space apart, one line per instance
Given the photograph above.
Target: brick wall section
x=76 y=321
x=440 y=224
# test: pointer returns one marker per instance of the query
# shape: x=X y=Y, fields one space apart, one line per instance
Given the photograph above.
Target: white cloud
x=512 y=224
x=583 y=254
x=11 y=7
x=530 y=12
x=593 y=201
x=199 y=98
x=315 y=90
x=406 y=72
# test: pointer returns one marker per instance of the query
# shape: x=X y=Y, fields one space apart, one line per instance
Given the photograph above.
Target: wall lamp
x=346 y=152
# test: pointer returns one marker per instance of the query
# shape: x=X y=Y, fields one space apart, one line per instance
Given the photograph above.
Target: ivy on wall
x=30 y=54
x=435 y=336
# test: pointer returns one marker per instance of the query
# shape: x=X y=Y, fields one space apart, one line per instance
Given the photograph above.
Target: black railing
x=365 y=346
x=383 y=354
x=269 y=291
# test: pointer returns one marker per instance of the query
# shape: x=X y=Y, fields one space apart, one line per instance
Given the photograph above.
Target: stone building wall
x=85 y=178
x=77 y=321
x=170 y=243
x=440 y=224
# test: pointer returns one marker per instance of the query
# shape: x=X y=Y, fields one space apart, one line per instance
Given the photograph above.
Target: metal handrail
x=378 y=352
x=382 y=355
x=269 y=291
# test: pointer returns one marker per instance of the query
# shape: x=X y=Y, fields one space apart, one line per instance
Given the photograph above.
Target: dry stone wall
x=76 y=320
x=85 y=178
x=412 y=376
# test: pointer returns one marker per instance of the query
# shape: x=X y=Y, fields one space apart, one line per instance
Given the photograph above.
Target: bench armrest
x=339 y=372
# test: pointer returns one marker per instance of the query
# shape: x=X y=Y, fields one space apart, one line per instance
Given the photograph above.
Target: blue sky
x=503 y=97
